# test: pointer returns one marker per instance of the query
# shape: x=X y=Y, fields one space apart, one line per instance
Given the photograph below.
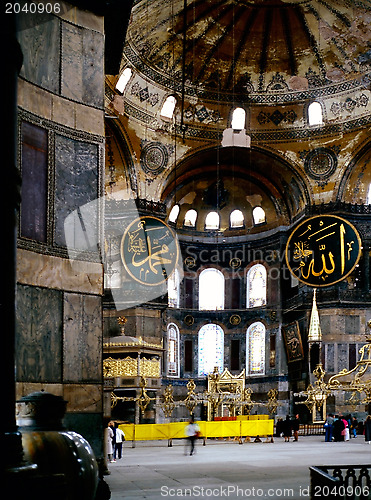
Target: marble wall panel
x=76 y=178
x=330 y=358
x=352 y=325
x=82 y=65
x=83 y=398
x=82 y=338
x=38 y=335
x=342 y=357
x=41 y=51
x=62 y=274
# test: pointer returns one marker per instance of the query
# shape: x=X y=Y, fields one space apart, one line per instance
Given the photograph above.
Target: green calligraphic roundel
x=149 y=250
x=323 y=250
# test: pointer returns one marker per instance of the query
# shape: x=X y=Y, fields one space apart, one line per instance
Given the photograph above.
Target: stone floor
x=227 y=469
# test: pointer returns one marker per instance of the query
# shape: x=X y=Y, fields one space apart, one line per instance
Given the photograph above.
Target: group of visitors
x=114 y=442
x=343 y=428
x=288 y=428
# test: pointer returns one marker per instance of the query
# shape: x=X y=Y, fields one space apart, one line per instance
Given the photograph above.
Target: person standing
x=329 y=427
x=354 y=427
x=109 y=443
x=120 y=438
x=296 y=427
x=367 y=430
x=338 y=428
x=192 y=432
x=287 y=429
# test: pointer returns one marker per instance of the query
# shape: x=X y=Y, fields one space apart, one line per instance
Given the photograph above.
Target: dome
x=251 y=50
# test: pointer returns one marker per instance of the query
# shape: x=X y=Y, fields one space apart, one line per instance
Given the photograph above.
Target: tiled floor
x=224 y=469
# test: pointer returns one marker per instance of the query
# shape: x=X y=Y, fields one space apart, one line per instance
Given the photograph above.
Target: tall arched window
x=256 y=286
x=368 y=195
x=123 y=80
x=255 y=349
x=174 y=213
x=258 y=215
x=211 y=290
x=173 y=289
x=236 y=219
x=210 y=349
x=190 y=218
x=167 y=110
x=315 y=115
x=212 y=220
x=173 y=350
x=238 y=119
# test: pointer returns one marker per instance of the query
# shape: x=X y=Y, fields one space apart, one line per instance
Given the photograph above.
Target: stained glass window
x=173 y=350
x=236 y=218
x=210 y=349
x=173 y=289
x=255 y=349
x=257 y=286
x=211 y=290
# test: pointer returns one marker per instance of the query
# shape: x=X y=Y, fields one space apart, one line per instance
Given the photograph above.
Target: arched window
x=315 y=115
x=368 y=195
x=212 y=220
x=211 y=290
x=173 y=350
x=238 y=119
x=167 y=110
x=174 y=213
x=123 y=80
x=210 y=349
x=236 y=219
x=258 y=215
x=173 y=289
x=255 y=349
x=190 y=218
x=256 y=286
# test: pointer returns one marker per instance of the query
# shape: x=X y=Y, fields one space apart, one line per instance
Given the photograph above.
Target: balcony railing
x=345 y=482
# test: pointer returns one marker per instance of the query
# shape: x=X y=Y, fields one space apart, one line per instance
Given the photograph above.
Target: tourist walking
x=192 y=432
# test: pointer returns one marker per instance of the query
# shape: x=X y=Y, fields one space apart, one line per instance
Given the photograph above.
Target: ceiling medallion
x=189 y=320
x=235 y=319
x=189 y=262
x=235 y=262
x=320 y=163
x=154 y=158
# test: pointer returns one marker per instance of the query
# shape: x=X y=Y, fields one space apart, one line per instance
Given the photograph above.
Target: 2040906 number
x=33 y=8
x=341 y=491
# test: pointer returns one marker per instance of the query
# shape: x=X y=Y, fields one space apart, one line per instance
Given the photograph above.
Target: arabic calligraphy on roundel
x=324 y=250
x=149 y=251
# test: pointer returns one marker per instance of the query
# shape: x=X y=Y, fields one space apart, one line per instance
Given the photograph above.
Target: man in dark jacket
x=295 y=427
